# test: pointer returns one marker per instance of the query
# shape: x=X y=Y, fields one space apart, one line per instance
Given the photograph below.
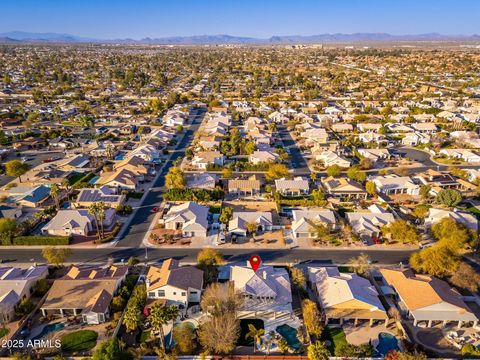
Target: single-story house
x=345 y=296
x=108 y=196
x=426 y=299
x=190 y=217
x=263 y=157
x=202 y=181
x=244 y=187
x=76 y=222
x=393 y=185
x=344 y=188
x=204 y=158
x=304 y=220
x=435 y=215
x=266 y=292
x=85 y=291
x=240 y=220
x=17 y=284
x=368 y=224
x=293 y=187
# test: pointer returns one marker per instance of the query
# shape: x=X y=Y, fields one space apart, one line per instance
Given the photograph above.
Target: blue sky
x=257 y=18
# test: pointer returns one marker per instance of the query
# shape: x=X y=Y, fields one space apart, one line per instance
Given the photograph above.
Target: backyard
x=335 y=337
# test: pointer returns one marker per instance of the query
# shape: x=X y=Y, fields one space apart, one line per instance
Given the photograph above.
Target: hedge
x=41 y=240
x=201 y=195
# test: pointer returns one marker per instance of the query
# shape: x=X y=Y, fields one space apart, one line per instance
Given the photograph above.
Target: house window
x=184 y=293
x=161 y=293
x=174 y=293
x=151 y=294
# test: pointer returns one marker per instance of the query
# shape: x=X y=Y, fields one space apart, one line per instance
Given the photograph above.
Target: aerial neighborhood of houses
x=133 y=197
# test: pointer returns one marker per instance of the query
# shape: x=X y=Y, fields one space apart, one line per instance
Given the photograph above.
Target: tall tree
x=55 y=194
x=318 y=351
x=8 y=228
x=312 y=318
x=101 y=208
x=402 y=232
x=175 y=179
x=219 y=334
x=16 y=168
x=449 y=197
x=93 y=210
x=54 y=255
x=276 y=171
x=361 y=264
x=161 y=315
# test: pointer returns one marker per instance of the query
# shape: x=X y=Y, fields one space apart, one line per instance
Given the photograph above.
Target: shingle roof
x=171 y=274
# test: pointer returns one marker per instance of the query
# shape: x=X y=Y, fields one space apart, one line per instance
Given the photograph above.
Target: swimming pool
x=49 y=329
x=289 y=334
x=94 y=180
x=386 y=343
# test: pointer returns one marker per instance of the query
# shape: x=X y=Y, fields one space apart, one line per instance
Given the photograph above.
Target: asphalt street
x=277 y=256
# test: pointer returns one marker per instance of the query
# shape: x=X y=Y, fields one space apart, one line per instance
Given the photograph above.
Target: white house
x=266 y=292
x=368 y=224
x=240 y=220
x=204 y=158
x=462 y=154
x=304 y=220
x=191 y=218
x=466 y=218
x=292 y=187
x=393 y=185
x=330 y=158
x=76 y=222
x=17 y=284
x=345 y=296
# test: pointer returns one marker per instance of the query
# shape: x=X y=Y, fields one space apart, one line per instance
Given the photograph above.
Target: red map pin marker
x=255 y=262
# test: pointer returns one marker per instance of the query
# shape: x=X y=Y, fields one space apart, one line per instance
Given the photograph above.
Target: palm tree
x=252 y=227
x=255 y=334
x=101 y=215
x=162 y=315
x=54 y=193
x=132 y=318
x=269 y=341
x=93 y=210
x=361 y=264
x=318 y=231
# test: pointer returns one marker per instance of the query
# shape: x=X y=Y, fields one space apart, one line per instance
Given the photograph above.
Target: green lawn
x=79 y=341
x=3 y=332
x=75 y=178
x=475 y=211
x=145 y=336
x=134 y=195
x=336 y=336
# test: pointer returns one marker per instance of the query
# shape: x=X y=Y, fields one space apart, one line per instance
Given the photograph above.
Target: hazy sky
x=258 y=18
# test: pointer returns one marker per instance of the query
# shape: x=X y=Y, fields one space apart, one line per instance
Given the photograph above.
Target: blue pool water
x=49 y=329
x=289 y=334
x=94 y=180
x=386 y=343
x=120 y=156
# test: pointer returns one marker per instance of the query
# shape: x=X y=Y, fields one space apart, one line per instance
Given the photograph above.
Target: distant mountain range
x=28 y=37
